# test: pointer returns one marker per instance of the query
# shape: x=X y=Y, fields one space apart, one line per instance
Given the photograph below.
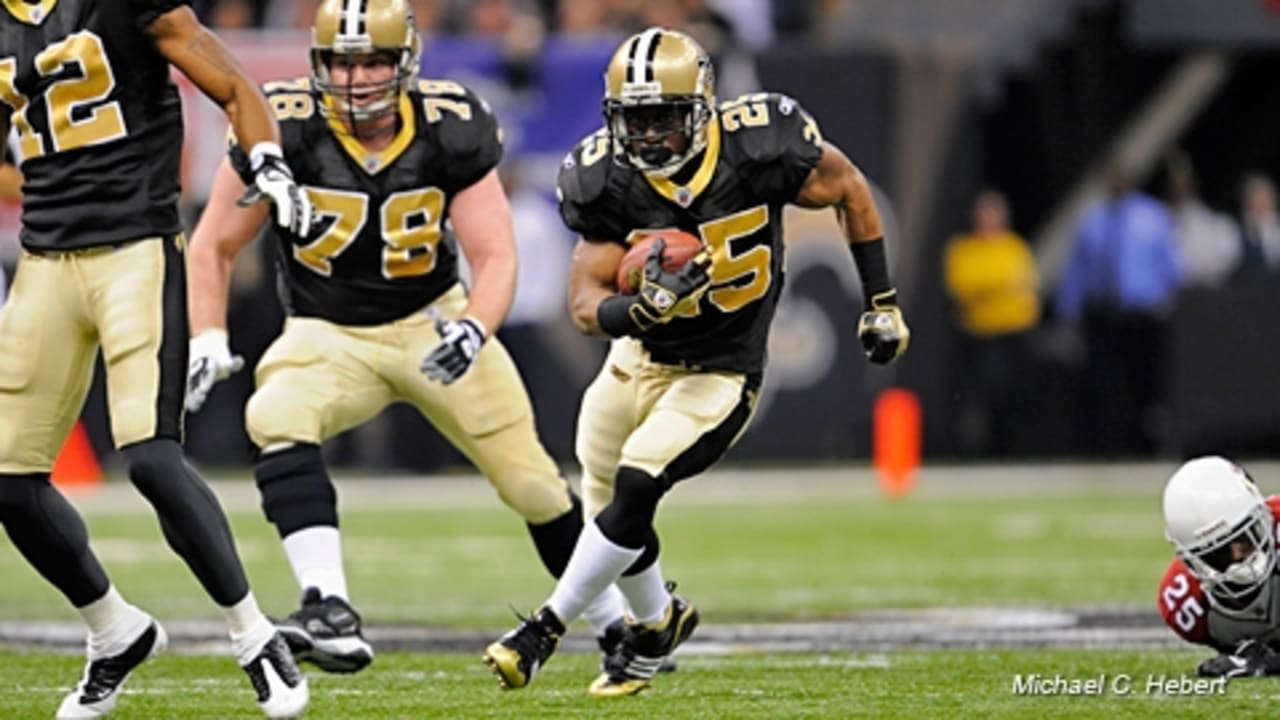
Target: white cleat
x=99 y=688
x=281 y=687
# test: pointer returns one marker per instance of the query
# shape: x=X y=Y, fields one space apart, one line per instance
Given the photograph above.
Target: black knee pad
x=628 y=519
x=556 y=539
x=648 y=557
x=296 y=490
x=154 y=466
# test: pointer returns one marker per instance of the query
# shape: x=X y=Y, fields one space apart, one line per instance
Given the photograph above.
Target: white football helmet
x=1210 y=503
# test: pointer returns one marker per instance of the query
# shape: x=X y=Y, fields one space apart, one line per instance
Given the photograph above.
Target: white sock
x=596 y=563
x=113 y=624
x=249 y=628
x=607 y=607
x=316 y=556
x=646 y=594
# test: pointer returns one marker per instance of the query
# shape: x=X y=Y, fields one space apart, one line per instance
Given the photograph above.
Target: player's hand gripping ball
x=679 y=248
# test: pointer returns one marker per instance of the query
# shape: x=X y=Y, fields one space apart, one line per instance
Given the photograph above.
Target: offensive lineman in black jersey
x=680 y=383
x=386 y=158
x=87 y=85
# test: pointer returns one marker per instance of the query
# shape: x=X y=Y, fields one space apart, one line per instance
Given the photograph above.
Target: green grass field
x=745 y=547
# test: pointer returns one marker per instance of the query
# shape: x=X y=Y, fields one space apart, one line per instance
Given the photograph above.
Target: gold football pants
x=657 y=418
x=130 y=299
x=320 y=378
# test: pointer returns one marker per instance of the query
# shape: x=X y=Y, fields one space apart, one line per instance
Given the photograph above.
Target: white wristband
x=210 y=339
x=260 y=151
x=484 y=331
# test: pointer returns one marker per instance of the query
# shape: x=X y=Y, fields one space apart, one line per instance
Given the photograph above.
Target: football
x=680 y=247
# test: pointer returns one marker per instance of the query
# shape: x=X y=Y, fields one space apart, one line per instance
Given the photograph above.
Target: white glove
x=209 y=361
x=273 y=182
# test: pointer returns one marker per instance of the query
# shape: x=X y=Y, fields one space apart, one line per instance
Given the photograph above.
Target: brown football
x=680 y=247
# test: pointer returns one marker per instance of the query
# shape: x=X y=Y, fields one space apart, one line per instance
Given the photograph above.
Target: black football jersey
x=98 y=117
x=377 y=252
x=760 y=150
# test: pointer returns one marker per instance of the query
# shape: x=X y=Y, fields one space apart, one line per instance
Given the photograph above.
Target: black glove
x=1250 y=659
x=883 y=332
x=663 y=295
x=460 y=342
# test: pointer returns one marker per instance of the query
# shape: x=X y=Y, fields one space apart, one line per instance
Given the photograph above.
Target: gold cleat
x=516 y=657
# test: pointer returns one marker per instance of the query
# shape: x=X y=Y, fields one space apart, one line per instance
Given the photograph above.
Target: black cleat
x=610 y=641
x=326 y=632
x=517 y=656
x=630 y=669
x=99 y=689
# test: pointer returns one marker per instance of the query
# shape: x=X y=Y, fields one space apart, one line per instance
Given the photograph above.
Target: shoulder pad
x=1183 y=604
x=293 y=104
x=1273 y=502
x=584 y=172
x=767 y=126
x=462 y=120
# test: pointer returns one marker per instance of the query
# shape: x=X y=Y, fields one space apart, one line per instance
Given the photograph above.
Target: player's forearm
x=584 y=308
x=213 y=69
x=208 y=287
x=493 y=282
x=250 y=117
x=10 y=182
x=856 y=211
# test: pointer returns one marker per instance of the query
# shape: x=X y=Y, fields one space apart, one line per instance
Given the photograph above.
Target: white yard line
x=727 y=484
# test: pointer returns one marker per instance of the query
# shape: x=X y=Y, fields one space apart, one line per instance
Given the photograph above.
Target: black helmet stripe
x=643 y=50
x=631 y=59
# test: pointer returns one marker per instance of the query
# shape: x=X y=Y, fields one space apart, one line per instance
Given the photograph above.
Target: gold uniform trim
x=701 y=179
x=375 y=162
x=30 y=13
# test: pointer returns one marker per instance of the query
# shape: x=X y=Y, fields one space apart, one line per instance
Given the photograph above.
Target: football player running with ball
x=1221 y=590
x=682 y=376
x=376 y=311
x=87 y=86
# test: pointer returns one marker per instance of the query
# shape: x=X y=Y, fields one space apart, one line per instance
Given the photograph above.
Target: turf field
x=435 y=565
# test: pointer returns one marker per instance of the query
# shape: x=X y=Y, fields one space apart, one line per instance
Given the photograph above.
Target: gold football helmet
x=659 y=83
x=364 y=27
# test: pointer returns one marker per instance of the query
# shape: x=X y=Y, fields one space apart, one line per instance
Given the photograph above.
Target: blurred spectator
x=1208 y=242
x=517 y=27
x=992 y=279
x=232 y=15
x=1259 y=226
x=1118 y=285
x=796 y=18
x=752 y=21
x=735 y=69
x=583 y=18
x=429 y=16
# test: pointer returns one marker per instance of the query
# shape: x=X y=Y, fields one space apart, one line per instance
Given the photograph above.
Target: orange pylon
x=896 y=441
x=77 y=465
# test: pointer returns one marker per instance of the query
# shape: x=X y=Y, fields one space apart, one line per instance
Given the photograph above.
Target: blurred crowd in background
x=1080 y=198
x=521 y=25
